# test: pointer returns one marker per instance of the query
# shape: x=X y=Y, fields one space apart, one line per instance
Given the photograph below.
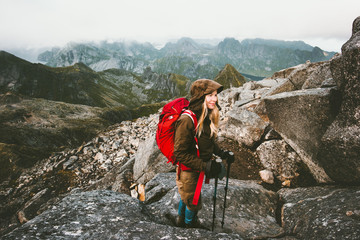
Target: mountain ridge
x=79 y=84
x=186 y=56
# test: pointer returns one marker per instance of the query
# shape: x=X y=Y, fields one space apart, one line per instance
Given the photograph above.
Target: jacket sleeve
x=184 y=144
x=217 y=150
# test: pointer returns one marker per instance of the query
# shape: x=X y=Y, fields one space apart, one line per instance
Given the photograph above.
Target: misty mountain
x=299 y=45
x=187 y=57
x=79 y=84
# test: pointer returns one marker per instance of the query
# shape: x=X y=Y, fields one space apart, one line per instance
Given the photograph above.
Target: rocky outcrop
x=103 y=215
x=301 y=118
x=328 y=212
x=340 y=148
x=105 y=162
x=309 y=75
x=107 y=214
x=149 y=161
x=251 y=212
x=314 y=107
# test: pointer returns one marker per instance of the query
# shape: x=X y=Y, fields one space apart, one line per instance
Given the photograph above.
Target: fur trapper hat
x=198 y=90
x=202 y=87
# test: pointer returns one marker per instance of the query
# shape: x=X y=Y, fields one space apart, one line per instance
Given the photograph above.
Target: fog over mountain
x=254 y=58
x=319 y=23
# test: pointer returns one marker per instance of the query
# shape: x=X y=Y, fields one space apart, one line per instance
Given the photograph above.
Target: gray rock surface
x=252 y=212
x=103 y=214
x=278 y=157
x=149 y=161
x=340 y=148
x=321 y=212
x=244 y=126
x=318 y=76
x=301 y=118
x=100 y=214
x=304 y=72
x=250 y=208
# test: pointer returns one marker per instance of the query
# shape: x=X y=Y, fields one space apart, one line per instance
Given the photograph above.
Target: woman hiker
x=204 y=103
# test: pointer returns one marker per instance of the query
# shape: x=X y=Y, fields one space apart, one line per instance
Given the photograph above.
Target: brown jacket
x=184 y=144
x=184 y=141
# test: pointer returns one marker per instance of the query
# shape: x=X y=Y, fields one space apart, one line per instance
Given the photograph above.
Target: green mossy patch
x=63 y=180
x=14 y=158
x=7 y=161
x=146 y=110
x=116 y=114
x=59 y=181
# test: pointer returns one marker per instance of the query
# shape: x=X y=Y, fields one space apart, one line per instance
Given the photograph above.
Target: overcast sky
x=38 y=23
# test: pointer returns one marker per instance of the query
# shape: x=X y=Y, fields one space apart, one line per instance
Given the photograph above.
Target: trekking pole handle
x=231 y=158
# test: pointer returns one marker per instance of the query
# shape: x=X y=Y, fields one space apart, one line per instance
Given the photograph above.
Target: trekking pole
x=230 y=160
x=214 y=200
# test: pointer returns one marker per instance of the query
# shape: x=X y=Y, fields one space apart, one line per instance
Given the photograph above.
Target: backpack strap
x=202 y=173
x=198 y=188
x=192 y=116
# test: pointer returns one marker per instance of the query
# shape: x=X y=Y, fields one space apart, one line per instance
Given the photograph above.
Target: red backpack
x=166 y=126
x=165 y=136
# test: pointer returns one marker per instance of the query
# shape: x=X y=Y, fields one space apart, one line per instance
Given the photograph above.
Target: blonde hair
x=214 y=120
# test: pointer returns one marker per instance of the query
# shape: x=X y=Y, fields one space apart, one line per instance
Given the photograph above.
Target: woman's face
x=211 y=100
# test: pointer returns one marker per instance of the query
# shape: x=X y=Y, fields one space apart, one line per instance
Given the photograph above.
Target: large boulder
x=340 y=148
x=159 y=186
x=303 y=73
x=149 y=161
x=278 y=157
x=283 y=85
x=301 y=118
x=118 y=179
x=305 y=76
x=318 y=76
x=244 y=126
x=327 y=212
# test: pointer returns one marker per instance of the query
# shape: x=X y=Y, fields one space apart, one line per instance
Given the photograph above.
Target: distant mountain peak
x=254 y=58
x=300 y=45
x=183 y=45
x=230 y=77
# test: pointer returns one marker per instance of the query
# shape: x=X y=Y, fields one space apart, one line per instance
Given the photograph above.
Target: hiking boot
x=180 y=221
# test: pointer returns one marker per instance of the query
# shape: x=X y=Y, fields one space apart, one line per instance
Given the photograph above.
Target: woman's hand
x=228 y=156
